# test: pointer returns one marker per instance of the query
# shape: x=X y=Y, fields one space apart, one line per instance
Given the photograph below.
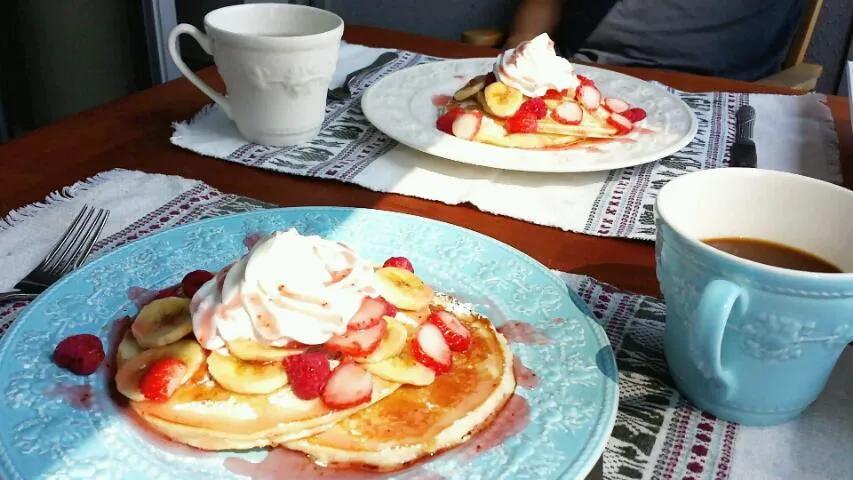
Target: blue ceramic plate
x=52 y=428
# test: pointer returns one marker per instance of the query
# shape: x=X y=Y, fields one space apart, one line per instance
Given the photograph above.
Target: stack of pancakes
x=415 y=416
x=562 y=119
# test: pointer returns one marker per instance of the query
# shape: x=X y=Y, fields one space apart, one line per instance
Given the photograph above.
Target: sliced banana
x=471 y=88
x=413 y=319
x=402 y=369
x=128 y=375
x=127 y=349
x=481 y=101
x=392 y=342
x=240 y=376
x=402 y=288
x=251 y=351
x=502 y=100
x=162 y=322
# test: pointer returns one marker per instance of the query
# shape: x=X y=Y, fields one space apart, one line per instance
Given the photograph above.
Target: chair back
x=803 y=37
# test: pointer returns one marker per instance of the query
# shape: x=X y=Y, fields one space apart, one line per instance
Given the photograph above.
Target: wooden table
x=134 y=133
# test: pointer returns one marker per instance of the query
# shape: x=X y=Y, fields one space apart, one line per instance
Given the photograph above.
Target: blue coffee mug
x=748 y=342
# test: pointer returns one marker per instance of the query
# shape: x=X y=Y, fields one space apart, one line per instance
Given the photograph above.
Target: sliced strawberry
x=535 y=107
x=308 y=373
x=568 y=113
x=399 y=262
x=81 y=354
x=615 y=105
x=555 y=94
x=430 y=348
x=586 y=81
x=466 y=125
x=445 y=122
x=368 y=315
x=522 y=123
x=193 y=281
x=458 y=337
x=620 y=123
x=162 y=378
x=390 y=309
x=589 y=97
x=358 y=343
x=349 y=385
x=634 y=114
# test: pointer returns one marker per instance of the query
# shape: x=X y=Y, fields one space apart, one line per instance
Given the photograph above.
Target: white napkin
x=796 y=134
x=815 y=446
x=792 y=133
x=29 y=233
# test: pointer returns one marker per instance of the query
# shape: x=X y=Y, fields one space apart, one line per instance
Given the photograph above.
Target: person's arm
x=532 y=18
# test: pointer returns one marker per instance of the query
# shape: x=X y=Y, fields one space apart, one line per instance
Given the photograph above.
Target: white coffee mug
x=277 y=62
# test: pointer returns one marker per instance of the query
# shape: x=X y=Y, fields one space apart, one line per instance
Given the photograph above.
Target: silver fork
x=69 y=252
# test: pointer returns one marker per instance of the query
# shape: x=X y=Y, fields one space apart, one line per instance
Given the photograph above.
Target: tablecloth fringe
x=65 y=194
x=829 y=122
x=182 y=126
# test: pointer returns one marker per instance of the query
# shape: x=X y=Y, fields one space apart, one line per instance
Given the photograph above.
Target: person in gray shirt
x=738 y=39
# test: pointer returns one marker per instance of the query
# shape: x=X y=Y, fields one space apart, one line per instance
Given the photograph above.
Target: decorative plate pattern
x=401 y=106
x=49 y=435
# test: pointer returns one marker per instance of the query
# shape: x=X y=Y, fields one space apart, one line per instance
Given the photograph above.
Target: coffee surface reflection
x=773 y=254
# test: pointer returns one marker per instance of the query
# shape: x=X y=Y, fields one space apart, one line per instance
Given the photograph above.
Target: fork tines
x=76 y=243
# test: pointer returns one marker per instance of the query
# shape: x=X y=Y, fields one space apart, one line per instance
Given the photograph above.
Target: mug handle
x=705 y=340
x=204 y=41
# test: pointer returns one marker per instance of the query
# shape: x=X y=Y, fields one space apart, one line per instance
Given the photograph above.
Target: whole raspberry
x=634 y=114
x=81 y=354
x=522 y=123
x=535 y=107
x=193 y=281
x=307 y=373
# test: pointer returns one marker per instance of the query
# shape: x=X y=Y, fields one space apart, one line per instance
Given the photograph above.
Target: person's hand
x=513 y=40
x=532 y=18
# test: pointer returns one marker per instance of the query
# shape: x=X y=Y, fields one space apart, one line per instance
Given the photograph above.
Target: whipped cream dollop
x=289 y=287
x=533 y=67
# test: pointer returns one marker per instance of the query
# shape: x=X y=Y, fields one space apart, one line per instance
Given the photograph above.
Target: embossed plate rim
x=438 y=144
x=602 y=421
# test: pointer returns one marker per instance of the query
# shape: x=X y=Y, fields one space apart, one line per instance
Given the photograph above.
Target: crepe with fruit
x=532 y=99
x=303 y=344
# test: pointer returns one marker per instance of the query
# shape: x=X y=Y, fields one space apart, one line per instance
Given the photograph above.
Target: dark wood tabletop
x=134 y=133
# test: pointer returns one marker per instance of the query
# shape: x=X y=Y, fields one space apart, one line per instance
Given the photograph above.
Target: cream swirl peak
x=289 y=287
x=534 y=67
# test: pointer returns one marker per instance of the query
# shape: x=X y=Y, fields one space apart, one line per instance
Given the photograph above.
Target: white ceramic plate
x=401 y=106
